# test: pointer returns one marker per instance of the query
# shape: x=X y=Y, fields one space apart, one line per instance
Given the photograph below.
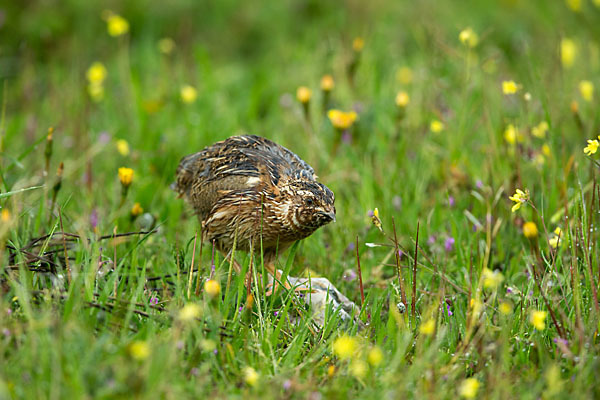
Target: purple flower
x=9 y=311
x=448 y=309
x=154 y=300
x=451 y=201
x=104 y=137
x=215 y=351
x=6 y=332
x=370 y=213
x=287 y=384
x=349 y=275
x=350 y=246
x=449 y=244
x=347 y=137
x=241 y=309
x=561 y=341
x=275 y=313
x=94 y=219
x=509 y=290
x=478 y=184
x=431 y=240
x=400 y=254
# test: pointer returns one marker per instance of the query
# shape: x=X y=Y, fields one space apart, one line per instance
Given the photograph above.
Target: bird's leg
x=277 y=276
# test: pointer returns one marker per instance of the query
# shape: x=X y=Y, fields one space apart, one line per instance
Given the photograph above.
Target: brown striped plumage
x=256 y=189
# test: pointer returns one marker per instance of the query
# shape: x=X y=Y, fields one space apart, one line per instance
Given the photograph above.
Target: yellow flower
x=375 y=356
x=139 y=350
x=436 y=126
x=212 y=288
x=468 y=388
x=303 y=94
x=558 y=231
x=357 y=44
x=592 y=147
x=404 y=75
x=468 y=37
x=505 y=308
x=344 y=347
x=116 y=25
x=342 y=120
x=574 y=5
x=427 y=327
x=540 y=130
x=166 y=45
x=123 y=147
x=491 y=279
x=125 y=176
x=538 y=319
x=327 y=83
x=136 y=209
x=330 y=370
x=568 y=52
x=586 y=88
x=557 y=238
x=510 y=87
x=96 y=73
x=546 y=150
x=251 y=376
x=530 y=230
x=190 y=312
x=5 y=215
x=520 y=197
x=402 y=99
x=553 y=242
x=358 y=368
x=188 y=94
x=511 y=134
x=96 y=91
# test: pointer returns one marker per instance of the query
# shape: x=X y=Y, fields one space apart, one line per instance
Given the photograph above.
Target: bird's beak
x=330 y=215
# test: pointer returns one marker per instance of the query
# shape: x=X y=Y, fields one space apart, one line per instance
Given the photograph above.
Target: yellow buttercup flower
x=212 y=288
x=586 y=89
x=116 y=25
x=520 y=197
x=331 y=370
x=344 y=347
x=540 y=130
x=510 y=87
x=303 y=94
x=327 y=83
x=402 y=99
x=404 y=75
x=428 y=327
x=188 y=94
x=511 y=134
x=139 y=350
x=375 y=356
x=592 y=147
x=553 y=242
x=436 y=126
x=530 y=230
x=574 y=5
x=136 y=209
x=96 y=73
x=5 y=215
x=558 y=231
x=190 y=312
x=166 y=45
x=123 y=147
x=125 y=176
x=546 y=150
x=505 y=308
x=358 y=368
x=342 y=120
x=491 y=279
x=568 y=52
x=357 y=44
x=251 y=376
x=468 y=388
x=468 y=37
x=538 y=319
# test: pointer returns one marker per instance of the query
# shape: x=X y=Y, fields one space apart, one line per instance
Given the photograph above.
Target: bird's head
x=313 y=204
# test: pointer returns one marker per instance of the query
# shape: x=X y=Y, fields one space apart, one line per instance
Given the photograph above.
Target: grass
x=109 y=309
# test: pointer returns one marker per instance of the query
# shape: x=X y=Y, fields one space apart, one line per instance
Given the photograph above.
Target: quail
x=250 y=190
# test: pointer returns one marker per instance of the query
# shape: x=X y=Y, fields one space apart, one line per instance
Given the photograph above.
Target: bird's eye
x=309 y=201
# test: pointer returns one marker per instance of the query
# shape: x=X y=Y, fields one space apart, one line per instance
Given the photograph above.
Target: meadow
x=460 y=140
